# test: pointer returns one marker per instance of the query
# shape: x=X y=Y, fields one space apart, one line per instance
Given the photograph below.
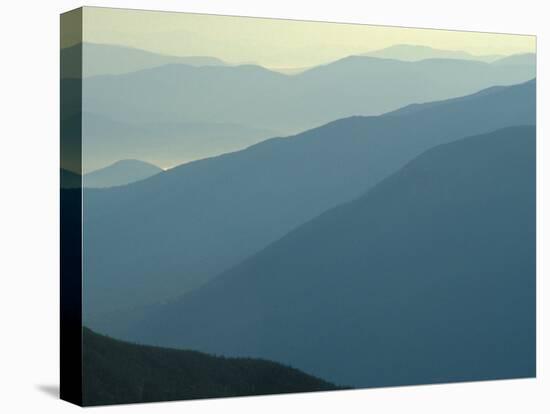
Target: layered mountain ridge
x=429 y=277
x=192 y=222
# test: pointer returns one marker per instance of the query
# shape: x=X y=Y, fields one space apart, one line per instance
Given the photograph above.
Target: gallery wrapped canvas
x=259 y=206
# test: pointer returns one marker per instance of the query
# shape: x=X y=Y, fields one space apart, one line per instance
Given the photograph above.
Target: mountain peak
x=121 y=172
x=413 y=53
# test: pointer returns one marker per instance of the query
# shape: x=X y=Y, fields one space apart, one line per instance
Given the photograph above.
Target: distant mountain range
x=171 y=110
x=174 y=231
x=253 y=96
x=414 y=53
x=162 y=143
x=109 y=59
x=103 y=59
x=120 y=173
x=523 y=59
x=118 y=372
x=427 y=278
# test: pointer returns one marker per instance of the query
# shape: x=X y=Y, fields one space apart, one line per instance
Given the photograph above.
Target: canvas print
x=262 y=206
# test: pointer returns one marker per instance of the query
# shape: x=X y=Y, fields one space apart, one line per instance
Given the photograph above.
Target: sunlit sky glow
x=275 y=42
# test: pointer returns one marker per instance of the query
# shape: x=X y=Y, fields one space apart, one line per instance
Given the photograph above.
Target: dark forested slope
x=117 y=372
x=429 y=277
x=160 y=237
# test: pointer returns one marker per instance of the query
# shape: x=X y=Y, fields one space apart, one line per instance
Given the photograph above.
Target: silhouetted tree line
x=116 y=372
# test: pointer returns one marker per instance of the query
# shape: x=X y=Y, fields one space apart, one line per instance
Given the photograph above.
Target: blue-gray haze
x=120 y=173
x=176 y=112
x=429 y=277
x=152 y=240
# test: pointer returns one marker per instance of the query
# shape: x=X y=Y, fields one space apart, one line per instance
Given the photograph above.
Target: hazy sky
x=275 y=42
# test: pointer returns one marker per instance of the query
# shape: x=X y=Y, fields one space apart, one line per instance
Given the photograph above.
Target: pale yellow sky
x=275 y=42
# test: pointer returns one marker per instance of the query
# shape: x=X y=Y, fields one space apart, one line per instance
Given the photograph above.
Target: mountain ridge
x=110 y=59
x=197 y=235
x=289 y=103
x=373 y=294
x=116 y=372
x=108 y=140
x=121 y=172
x=409 y=52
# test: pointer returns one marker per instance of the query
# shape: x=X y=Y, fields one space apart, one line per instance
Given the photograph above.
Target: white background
x=29 y=205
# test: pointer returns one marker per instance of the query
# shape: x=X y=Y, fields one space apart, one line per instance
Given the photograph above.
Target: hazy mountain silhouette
x=414 y=53
x=120 y=173
x=162 y=143
x=428 y=278
x=256 y=97
x=523 y=59
x=290 y=70
x=116 y=372
x=70 y=179
x=461 y=101
x=104 y=59
x=172 y=232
